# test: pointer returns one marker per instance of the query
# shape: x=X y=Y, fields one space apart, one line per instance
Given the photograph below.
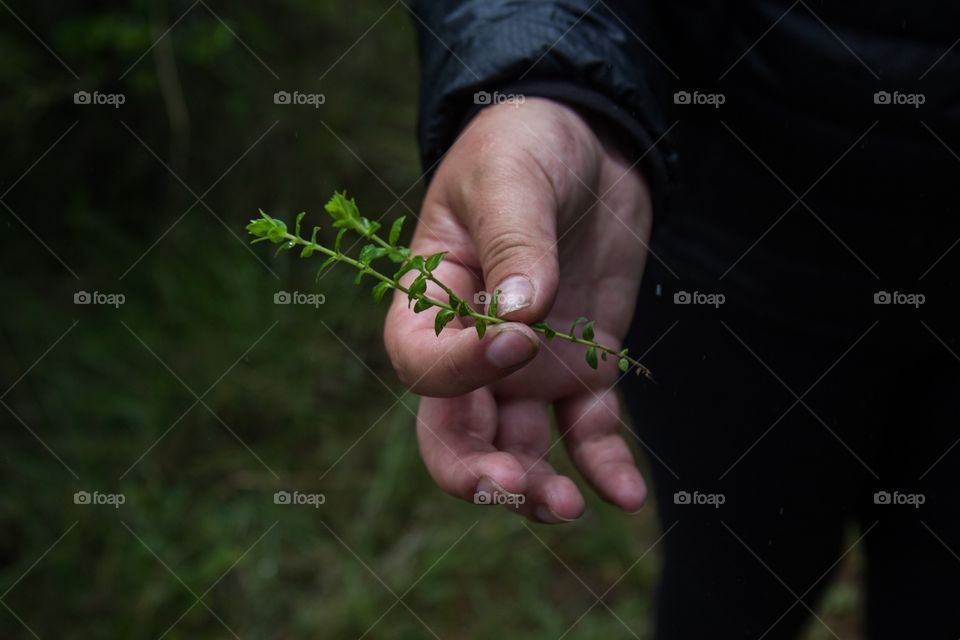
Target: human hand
x=533 y=201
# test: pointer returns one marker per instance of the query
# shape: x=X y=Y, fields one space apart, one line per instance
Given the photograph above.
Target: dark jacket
x=548 y=49
x=839 y=126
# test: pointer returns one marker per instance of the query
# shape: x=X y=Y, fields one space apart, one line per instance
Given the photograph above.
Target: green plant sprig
x=346 y=217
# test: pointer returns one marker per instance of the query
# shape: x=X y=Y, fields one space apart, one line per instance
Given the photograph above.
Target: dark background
x=198 y=398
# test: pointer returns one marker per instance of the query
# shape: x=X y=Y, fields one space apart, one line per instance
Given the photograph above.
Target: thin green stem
x=455 y=301
x=383 y=243
x=445 y=288
x=342 y=257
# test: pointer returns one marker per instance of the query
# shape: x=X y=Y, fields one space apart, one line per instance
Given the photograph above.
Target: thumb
x=510 y=210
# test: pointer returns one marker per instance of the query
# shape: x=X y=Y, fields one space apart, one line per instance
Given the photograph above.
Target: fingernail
x=516 y=292
x=483 y=494
x=545 y=514
x=510 y=348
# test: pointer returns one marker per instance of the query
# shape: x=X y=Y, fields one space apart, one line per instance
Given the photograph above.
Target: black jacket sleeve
x=593 y=55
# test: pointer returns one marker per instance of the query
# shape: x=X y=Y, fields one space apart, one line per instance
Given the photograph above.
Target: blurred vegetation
x=199 y=398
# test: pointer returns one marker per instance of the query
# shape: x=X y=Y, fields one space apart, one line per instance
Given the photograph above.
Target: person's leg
x=721 y=427
x=913 y=550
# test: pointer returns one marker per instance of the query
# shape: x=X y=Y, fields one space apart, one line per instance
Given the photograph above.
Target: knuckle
x=505 y=247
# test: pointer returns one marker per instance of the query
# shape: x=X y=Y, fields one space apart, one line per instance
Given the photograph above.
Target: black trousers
x=798 y=415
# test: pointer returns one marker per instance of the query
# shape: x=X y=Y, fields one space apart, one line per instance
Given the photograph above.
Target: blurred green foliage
x=199 y=398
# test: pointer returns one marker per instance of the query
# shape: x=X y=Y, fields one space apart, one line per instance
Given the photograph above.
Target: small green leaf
x=603 y=356
x=367 y=228
x=422 y=305
x=300 y=215
x=494 y=303
x=417 y=288
x=399 y=255
x=592 y=357
x=548 y=331
x=326 y=264
x=417 y=262
x=577 y=323
x=407 y=267
x=268 y=228
x=379 y=290
x=444 y=316
x=624 y=365
x=343 y=210
x=336 y=243
x=434 y=261
x=395 y=229
x=371 y=252
x=360 y=275
x=309 y=249
x=588 y=331
x=481 y=327
x=463 y=309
